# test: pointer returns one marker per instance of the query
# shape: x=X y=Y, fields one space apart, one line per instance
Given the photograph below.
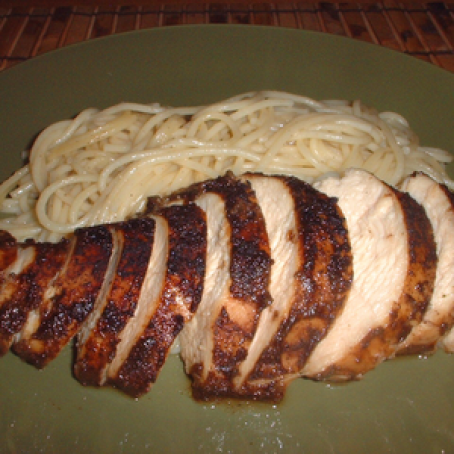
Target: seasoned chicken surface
x=439 y=317
x=17 y=259
x=36 y=265
x=310 y=279
x=69 y=299
x=263 y=279
x=146 y=303
x=196 y=339
x=236 y=290
x=98 y=339
x=8 y=253
x=394 y=269
x=169 y=305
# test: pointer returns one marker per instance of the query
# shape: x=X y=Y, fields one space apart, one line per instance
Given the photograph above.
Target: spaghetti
x=101 y=166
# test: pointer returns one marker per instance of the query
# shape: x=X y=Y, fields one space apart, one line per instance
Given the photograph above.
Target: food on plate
x=69 y=296
x=170 y=295
x=438 y=202
x=252 y=336
x=236 y=291
x=97 y=341
x=310 y=278
x=102 y=165
x=264 y=279
x=394 y=262
x=28 y=271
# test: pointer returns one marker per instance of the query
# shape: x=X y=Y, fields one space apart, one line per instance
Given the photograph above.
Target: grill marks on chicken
x=264 y=279
x=394 y=269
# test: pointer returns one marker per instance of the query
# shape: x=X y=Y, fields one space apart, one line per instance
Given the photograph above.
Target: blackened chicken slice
x=69 y=299
x=394 y=270
x=310 y=279
x=438 y=202
x=15 y=260
x=43 y=262
x=197 y=339
x=216 y=341
x=171 y=293
x=8 y=252
x=146 y=299
x=99 y=336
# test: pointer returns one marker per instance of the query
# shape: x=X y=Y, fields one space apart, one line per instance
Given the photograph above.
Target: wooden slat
x=57 y=3
x=79 y=26
x=423 y=30
x=308 y=17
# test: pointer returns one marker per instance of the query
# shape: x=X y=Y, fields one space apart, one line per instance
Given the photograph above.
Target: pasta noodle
x=102 y=165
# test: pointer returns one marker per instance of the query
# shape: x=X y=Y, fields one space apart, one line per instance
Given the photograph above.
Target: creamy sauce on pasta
x=102 y=165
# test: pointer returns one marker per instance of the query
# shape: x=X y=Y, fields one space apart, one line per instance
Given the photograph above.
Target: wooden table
x=30 y=28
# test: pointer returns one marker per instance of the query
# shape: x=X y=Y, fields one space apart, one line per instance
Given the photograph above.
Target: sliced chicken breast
x=394 y=270
x=197 y=342
x=147 y=299
x=170 y=295
x=36 y=266
x=69 y=299
x=438 y=202
x=448 y=341
x=310 y=279
x=16 y=260
x=264 y=279
x=236 y=290
x=8 y=252
x=99 y=336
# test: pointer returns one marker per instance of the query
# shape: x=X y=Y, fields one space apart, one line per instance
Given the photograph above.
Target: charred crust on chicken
x=178 y=300
x=128 y=289
x=76 y=291
x=96 y=352
x=323 y=281
x=31 y=284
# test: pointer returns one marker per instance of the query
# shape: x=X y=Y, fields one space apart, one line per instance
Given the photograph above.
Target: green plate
x=405 y=405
